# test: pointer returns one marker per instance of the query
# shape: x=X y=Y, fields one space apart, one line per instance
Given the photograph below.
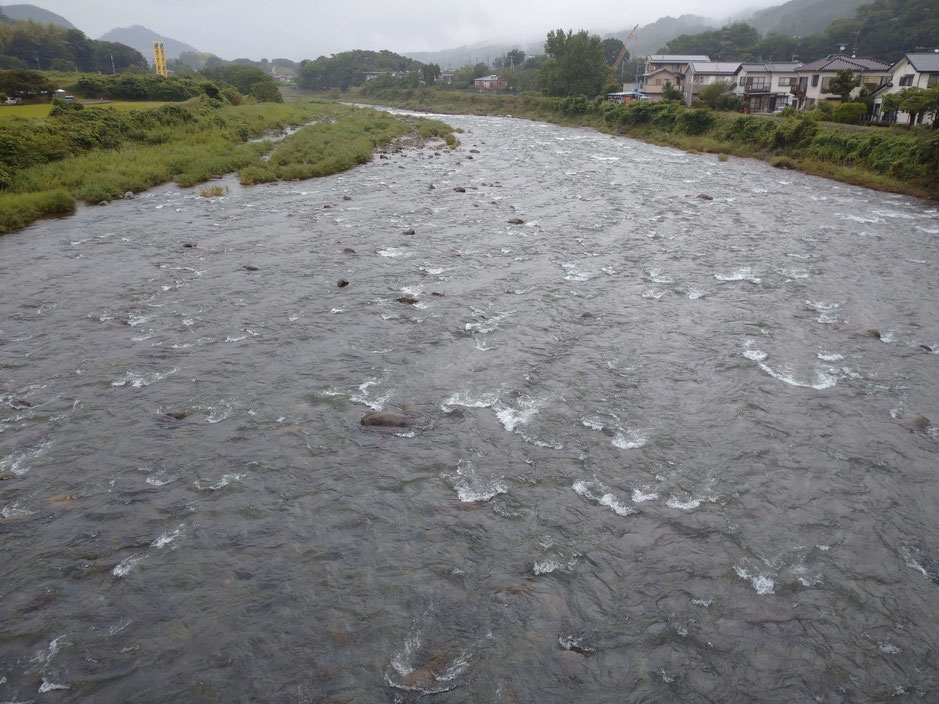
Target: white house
x=815 y=77
x=704 y=73
x=766 y=86
x=912 y=71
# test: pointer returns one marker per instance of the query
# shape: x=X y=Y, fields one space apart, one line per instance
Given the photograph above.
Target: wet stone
x=704 y=196
x=516 y=221
x=189 y=245
x=386 y=419
x=342 y=283
x=175 y=415
x=348 y=250
x=407 y=299
x=249 y=267
x=409 y=231
x=460 y=189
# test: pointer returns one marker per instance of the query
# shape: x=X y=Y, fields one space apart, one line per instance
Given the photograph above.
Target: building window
x=785 y=80
x=825 y=81
x=933 y=80
x=814 y=80
x=906 y=80
x=757 y=83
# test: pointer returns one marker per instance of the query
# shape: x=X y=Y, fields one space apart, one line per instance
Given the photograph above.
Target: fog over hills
x=36 y=14
x=141 y=39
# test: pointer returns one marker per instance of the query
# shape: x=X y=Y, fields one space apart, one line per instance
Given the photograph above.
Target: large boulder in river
x=385 y=419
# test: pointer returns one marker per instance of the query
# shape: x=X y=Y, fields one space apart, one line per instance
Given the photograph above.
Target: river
x=665 y=447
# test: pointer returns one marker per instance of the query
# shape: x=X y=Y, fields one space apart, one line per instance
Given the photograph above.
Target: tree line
x=46 y=47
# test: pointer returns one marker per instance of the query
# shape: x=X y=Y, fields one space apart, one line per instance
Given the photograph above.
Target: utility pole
x=112 y=65
x=38 y=65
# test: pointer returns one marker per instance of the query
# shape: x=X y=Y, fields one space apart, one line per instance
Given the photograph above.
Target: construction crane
x=622 y=52
x=159 y=58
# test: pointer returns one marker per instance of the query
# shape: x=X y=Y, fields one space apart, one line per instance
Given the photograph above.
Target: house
x=704 y=73
x=814 y=77
x=666 y=67
x=446 y=77
x=912 y=71
x=492 y=82
x=766 y=86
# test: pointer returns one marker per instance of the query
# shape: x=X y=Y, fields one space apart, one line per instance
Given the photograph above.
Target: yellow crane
x=159 y=58
x=622 y=52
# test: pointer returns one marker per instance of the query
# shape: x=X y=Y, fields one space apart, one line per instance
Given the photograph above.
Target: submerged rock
x=175 y=415
x=407 y=299
x=348 y=250
x=104 y=202
x=586 y=315
x=871 y=332
x=516 y=221
x=385 y=419
x=249 y=267
x=460 y=189
x=189 y=245
x=342 y=283
x=409 y=231
x=421 y=678
x=915 y=420
x=474 y=151
x=705 y=196
x=7 y=475
x=347 y=197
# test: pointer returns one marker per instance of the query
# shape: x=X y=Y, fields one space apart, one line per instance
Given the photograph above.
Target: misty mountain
x=652 y=37
x=141 y=39
x=473 y=54
x=802 y=17
x=36 y=14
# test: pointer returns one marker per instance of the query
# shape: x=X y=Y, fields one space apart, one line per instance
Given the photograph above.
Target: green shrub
x=695 y=121
x=849 y=113
x=17 y=210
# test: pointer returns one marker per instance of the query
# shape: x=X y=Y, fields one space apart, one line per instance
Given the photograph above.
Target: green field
x=43 y=109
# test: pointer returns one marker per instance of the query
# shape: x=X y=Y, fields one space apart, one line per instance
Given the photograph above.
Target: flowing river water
x=659 y=452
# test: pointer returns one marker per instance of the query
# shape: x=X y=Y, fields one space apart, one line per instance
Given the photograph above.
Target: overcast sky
x=299 y=29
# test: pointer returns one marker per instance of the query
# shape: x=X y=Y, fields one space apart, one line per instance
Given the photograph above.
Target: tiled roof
x=677 y=58
x=924 y=63
x=841 y=62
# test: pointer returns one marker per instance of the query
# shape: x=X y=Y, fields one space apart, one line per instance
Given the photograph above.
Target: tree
x=718 y=96
x=575 y=65
x=611 y=49
x=670 y=93
x=430 y=73
x=514 y=58
x=843 y=83
x=918 y=102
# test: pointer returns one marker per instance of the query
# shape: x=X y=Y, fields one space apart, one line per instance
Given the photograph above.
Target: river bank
x=95 y=156
x=890 y=160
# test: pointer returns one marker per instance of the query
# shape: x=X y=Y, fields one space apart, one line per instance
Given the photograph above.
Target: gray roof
x=715 y=66
x=772 y=67
x=677 y=58
x=839 y=62
x=924 y=63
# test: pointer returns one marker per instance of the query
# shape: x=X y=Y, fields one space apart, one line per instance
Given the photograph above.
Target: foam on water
x=463 y=398
x=138 y=380
x=471 y=488
x=393 y=252
x=830 y=356
x=511 y=418
x=742 y=274
x=167 y=538
x=596 y=492
x=18 y=461
x=127 y=565
x=761 y=584
x=688 y=505
x=823 y=380
x=206 y=485
x=15 y=510
x=629 y=440
x=639 y=496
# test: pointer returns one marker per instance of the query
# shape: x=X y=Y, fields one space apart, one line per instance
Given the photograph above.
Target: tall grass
x=17 y=210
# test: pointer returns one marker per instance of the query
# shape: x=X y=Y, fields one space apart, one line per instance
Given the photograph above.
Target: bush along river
x=656 y=427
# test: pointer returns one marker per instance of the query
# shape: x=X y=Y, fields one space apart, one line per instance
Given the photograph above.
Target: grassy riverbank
x=887 y=159
x=47 y=163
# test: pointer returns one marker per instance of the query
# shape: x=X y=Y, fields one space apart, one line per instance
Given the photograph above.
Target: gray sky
x=299 y=29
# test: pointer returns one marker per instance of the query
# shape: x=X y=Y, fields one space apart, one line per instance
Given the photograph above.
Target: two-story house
x=666 y=67
x=766 y=86
x=815 y=77
x=912 y=71
x=704 y=73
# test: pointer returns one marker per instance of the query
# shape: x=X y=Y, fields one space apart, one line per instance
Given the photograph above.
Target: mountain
x=141 y=39
x=36 y=14
x=800 y=17
x=652 y=37
x=473 y=54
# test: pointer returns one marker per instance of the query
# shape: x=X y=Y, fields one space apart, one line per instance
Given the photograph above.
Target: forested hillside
x=884 y=29
x=48 y=47
x=142 y=38
x=801 y=17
